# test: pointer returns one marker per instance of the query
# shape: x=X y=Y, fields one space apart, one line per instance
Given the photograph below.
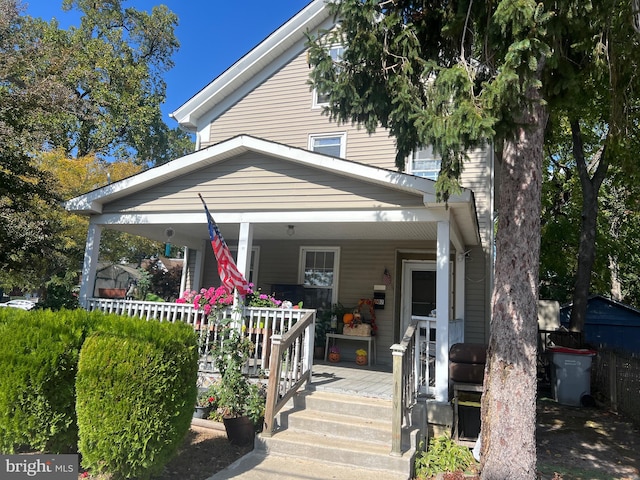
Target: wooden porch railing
x=291 y=362
x=404 y=384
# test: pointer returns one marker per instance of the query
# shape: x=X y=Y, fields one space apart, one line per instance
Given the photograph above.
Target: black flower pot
x=240 y=430
x=201 y=412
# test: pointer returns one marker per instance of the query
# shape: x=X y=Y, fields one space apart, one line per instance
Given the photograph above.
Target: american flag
x=229 y=274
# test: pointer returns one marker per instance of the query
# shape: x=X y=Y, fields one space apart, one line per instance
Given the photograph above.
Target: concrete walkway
x=257 y=466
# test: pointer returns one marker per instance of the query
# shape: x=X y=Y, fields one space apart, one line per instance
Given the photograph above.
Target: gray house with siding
x=299 y=197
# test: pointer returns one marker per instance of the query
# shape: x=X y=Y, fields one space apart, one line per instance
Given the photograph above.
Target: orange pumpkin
x=347 y=318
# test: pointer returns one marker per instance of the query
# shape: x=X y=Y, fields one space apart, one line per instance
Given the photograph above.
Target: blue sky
x=213 y=34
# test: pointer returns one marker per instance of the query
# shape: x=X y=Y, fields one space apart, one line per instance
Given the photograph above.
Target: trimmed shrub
x=38 y=359
x=135 y=395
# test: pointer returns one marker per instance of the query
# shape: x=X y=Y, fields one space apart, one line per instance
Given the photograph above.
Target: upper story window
x=321 y=98
x=330 y=144
x=424 y=163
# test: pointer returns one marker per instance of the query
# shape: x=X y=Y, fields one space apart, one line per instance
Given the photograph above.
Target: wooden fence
x=616 y=380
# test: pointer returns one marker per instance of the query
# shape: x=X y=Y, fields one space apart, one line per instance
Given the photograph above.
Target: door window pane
x=423 y=298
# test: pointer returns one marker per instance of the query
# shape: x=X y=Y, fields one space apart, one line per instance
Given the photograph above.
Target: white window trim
x=343 y=141
x=336 y=266
x=410 y=159
x=315 y=105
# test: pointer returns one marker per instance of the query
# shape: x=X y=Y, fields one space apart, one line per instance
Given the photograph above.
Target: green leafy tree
x=115 y=60
x=164 y=282
x=593 y=130
x=29 y=91
x=93 y=91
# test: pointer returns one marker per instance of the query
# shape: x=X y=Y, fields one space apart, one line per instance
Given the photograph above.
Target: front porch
x=283 y=352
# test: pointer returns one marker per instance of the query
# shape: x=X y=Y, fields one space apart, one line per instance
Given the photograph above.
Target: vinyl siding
x=253 y=182
x=281 y=110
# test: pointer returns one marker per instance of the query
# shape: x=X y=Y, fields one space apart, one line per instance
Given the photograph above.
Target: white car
x=23 y=304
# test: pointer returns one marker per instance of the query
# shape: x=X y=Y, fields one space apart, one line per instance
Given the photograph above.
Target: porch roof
x=408 y=210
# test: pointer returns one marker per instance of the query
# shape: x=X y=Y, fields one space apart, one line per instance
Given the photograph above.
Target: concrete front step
x=338 y=425
x=361 y=407
x=329 y=449
x=341 y=430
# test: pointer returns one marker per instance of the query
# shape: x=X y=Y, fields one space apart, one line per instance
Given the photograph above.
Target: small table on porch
x=368 y=339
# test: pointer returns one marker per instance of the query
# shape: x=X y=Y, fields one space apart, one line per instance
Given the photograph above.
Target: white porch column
x=196 y=283
x=90 y=263
x=245 y=244
x=185 y=269
x=461 y=263
x=443 y=307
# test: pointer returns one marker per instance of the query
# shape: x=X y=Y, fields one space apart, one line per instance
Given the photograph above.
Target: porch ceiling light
x=290 y=230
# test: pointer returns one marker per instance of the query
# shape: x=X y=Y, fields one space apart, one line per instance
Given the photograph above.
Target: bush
x=38 y=360
x=135 y=395
x=443 y=456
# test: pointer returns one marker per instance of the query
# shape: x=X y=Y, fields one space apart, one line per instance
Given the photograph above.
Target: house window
x=319 y=276
x=332 y=144
x=322 y=98
x=424 y=163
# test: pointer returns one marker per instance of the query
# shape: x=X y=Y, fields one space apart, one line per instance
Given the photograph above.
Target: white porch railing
x=260 y=324
x=414 y=369
x=425 y=354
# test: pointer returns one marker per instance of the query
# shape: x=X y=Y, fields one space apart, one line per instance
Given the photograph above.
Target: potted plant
x=240 y=402
x=205 y=403
x=323 y=323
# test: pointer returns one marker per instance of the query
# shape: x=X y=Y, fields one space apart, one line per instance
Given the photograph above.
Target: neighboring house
x=112 y=280
x=608 y=324
x=305 y=201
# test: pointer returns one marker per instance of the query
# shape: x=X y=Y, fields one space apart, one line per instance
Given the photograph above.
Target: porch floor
x=374 y=381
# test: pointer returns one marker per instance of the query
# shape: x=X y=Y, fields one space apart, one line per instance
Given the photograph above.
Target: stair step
x=361 y=407
x=340 y=429
x=336 y=450
x=339 y=425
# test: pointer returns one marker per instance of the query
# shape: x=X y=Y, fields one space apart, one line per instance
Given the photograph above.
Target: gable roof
x=461 y=206
x=253 y=68
x=93 y=201
x=565 y=310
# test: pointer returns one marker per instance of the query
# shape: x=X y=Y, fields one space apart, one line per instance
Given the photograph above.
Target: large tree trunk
x=509 y=400
x=587 y=248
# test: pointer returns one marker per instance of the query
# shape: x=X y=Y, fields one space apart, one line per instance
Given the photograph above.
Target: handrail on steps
x=404 y=382
x=290 y=366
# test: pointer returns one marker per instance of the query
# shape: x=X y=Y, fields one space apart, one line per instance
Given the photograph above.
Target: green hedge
x=38 y=363
x=135 y=395
x=134 y=398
